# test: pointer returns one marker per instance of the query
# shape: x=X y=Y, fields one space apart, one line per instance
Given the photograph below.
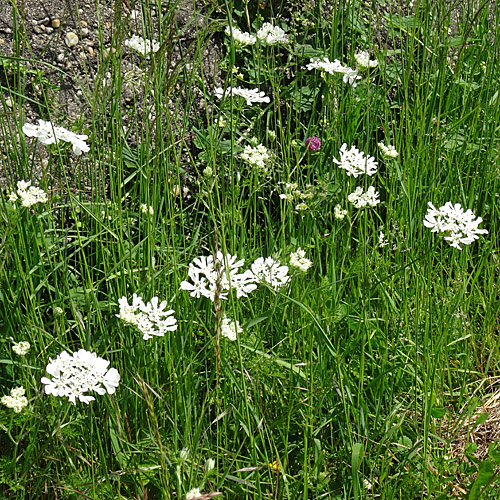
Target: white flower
x=73 y=376
x=209 y=464
x=459 y=227
x=194 y=493
x=388 y=151
x=47 y=133
x=207 y=275
x=256 y=157
x=21 y=348
x=355 y=163
x=229 y=328
x=141 y=45
x=363 y=60
x=382 y=241
x=299 y=260
x=339 y=213
x=272 y=35
x=324 y=64
x=28 y=195
x=362 y=200
x=150 y=319
x=250 y=95
x=240 y=38
x=271 y=272
x=147 y=209
x=17 y=400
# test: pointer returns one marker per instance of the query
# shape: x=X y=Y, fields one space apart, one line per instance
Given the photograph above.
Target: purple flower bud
x=313 y=143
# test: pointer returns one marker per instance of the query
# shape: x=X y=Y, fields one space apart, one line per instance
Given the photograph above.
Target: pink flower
x=313 y=143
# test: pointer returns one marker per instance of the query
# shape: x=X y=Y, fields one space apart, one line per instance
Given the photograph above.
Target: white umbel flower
x=21 y=348
x=361 y=199
x=142 y=45
x=298 y=260
x=250 y=95
x=272 y=35
x=47 y=133
x=230 y=328
x=28 y=195
x=459 y=227
x=74 y=376
x=363 y=60
x=256 y=157
x=270 y=271
x=240 y=38
x=16 y=400
x=388 y=151
x=194 y=493
x=324 y=64
x=339 y=213
x=355 y=163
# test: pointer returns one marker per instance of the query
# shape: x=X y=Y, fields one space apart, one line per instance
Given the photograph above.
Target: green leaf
x=438 y=412
x=485 y=473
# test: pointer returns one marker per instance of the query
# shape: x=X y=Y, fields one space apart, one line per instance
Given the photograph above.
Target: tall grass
x=350 y=382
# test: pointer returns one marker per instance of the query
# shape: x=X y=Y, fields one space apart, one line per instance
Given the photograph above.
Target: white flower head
x=459 y=227
x=230 y=328
x=194 y=493
x=83 y=372
x=325 y=65
x=16 y=400
x=388 y=151
x=361 y=199
x=147 y=209
x=257 y=156
x=151 y=319
x=240 y=38
x=339 y=213
x=270 y=271
x=250 y=95
x=355 y=163
x=272 y=35
x=142 y=45
x=47 y=134
x=363 y=60
x=21 y=348
x=298 y=260
x=28 y=195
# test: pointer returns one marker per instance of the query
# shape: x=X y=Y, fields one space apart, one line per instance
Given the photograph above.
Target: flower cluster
x=210 y=275
x=355 y=163
x=229 y=328
x=256 y=157
x=21 y=348
x=47 y=133
x=150 y=319
x=362 y=199
x=270 y=271
x=142 y=45
x=339 y=213
x=28 y=194
x=298 y=260
x=272 y=35
x=73 y=376
x=388 y=151
x=459 y=227
x=363 y=60
x=147 y=209
x=350 y=75
x=194 y=493
x=17 y=400
x=240 y=38
x=250 y=95
x=313 y=143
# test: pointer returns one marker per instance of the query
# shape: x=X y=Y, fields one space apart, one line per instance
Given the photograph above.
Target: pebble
x=83 y=23
x=91 y=51
x=8 y=101
x=71 y=39
x=85 y=32
x=55 y=23
x=60 y=57
x=49 y=30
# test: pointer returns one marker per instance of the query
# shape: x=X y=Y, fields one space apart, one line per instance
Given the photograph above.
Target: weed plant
x=351 y=379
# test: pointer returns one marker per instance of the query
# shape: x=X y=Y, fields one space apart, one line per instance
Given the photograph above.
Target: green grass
x=360 y=371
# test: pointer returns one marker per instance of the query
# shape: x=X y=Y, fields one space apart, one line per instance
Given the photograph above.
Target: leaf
x=484 y=475
x=257 y=320
x=438 y=412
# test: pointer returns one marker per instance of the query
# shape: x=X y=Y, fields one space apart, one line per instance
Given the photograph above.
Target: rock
x=85 y=32
x=60 y=57
x=49 y=30
x=9 y=103
x=55 y=23
x=71 y=39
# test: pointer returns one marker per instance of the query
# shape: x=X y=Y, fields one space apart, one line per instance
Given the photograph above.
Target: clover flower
x=256 y=157
x=366 y=199
x=324 y=64
x=339 y=213
x=459 y=227
x=363 y=60
x=270 y=271
x=150 y=319
x=272 y=35
x=240 y=38
x=313 y=143
x=355 y=163
x=209 y=275
x=74 y=376
x=250 y=95
x=21 y=348
x=142 y=45
x=28 y=195
x=388 y=151
x=230 y=328
x=298 y=260
x=17 y=400
x=47 y=133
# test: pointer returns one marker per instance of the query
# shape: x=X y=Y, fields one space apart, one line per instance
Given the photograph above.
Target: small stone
x=84 y=23
x=60 y=57
x=8 y=101
x=85 y=32
x=71 y=39
x=49 y=30
x=2 y=41
x=43 y=27
x=55 y=23
x=91 y=51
